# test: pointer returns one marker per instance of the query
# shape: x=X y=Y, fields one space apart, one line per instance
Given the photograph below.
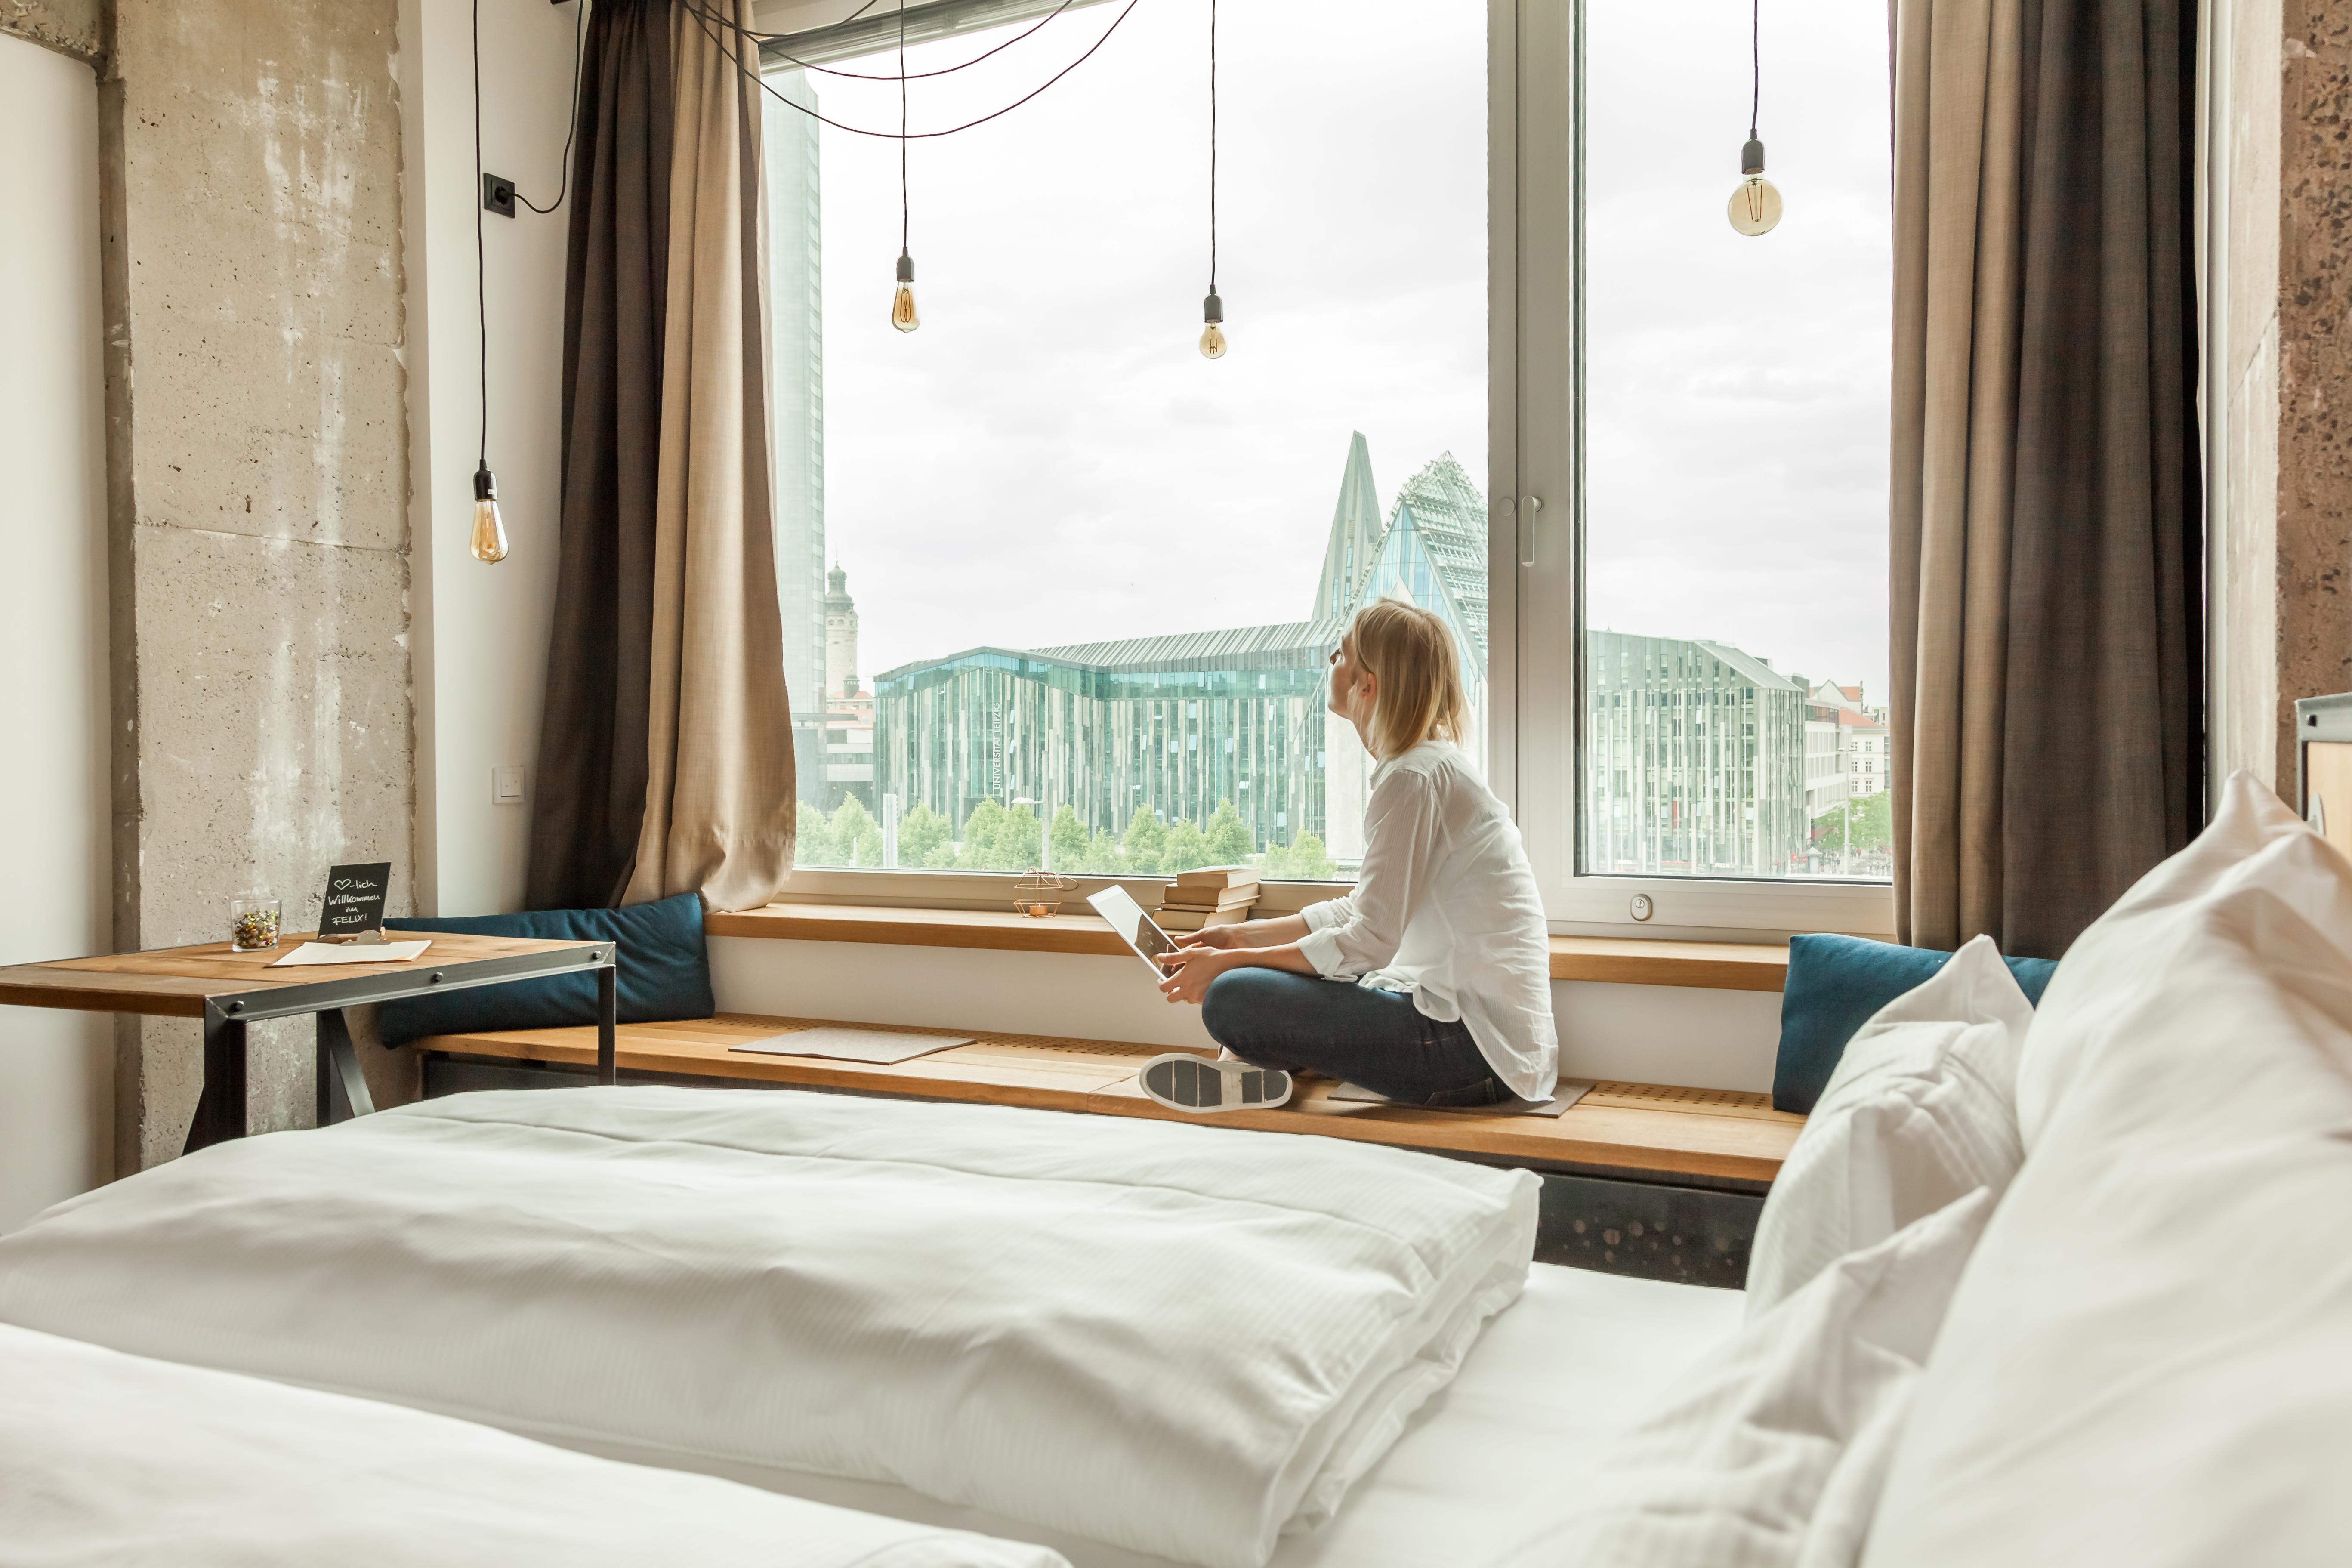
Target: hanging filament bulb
x=489 y=543
x=902 y=305
x=1755 y=204
x=1212 y=331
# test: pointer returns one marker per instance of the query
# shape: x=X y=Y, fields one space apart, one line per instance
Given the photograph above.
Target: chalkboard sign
x=354 y=900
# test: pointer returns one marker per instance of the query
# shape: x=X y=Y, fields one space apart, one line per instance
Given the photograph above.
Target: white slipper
x=1182 y=1081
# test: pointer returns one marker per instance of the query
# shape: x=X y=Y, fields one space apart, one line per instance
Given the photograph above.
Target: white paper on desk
x=331 y=952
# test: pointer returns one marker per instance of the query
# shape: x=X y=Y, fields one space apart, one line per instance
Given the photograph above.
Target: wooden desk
x=229 y=990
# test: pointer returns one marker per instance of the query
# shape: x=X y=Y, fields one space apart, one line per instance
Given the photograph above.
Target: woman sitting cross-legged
x=1431 y=983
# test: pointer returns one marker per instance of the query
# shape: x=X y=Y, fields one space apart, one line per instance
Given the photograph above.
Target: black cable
x=579 y=22
x=481 y=287
x=905 y=207
x=698 y=14
x=1755 y=59
x=1212 y=146
x=765 y=38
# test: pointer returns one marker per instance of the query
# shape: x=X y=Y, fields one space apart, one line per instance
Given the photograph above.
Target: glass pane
x=1042 y=562
x=1736 y=431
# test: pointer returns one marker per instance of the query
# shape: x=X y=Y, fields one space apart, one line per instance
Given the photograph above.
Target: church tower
x=840 y=636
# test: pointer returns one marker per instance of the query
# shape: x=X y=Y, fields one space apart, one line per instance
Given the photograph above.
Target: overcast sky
x=1049 y=459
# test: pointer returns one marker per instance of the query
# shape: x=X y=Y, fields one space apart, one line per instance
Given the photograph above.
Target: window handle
x=1528 y=507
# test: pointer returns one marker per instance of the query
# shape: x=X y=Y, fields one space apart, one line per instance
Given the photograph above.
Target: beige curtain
x=1956 y=264
x=2047 y=541
x=719 y=793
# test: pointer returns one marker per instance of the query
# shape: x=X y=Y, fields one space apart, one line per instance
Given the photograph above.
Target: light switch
x=506 y=786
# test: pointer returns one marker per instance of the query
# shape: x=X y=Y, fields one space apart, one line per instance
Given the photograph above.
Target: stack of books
x=1211 y=896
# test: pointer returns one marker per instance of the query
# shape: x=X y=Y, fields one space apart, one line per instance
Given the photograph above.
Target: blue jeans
x=1299 y=1022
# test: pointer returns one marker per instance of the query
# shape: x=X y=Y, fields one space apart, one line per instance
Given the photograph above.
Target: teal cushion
x=663 y=973
x=1835 y=985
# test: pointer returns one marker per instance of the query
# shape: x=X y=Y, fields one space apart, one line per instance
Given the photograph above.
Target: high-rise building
x=796 y=407
x=1695 y=761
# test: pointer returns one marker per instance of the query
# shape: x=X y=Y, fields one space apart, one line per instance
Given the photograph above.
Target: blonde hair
x=1418 y=693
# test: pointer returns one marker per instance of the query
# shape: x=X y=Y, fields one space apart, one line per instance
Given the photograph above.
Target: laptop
x=1135 y=928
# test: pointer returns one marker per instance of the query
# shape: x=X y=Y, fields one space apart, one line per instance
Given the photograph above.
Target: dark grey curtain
x=592 y=748
x=2048 y=535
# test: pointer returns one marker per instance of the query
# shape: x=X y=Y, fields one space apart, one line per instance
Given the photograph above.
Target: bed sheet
x=1580 y=1356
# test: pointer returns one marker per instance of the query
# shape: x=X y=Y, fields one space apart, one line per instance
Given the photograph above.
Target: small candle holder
x=1038 y=895
x=252 y=922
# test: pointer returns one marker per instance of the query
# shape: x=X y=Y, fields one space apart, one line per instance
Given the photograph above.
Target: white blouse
x=1447 y=908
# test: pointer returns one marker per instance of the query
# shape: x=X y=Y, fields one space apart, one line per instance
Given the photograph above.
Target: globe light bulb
x=489 y=543
x=1755 y=204
x=902 y=306
x=1212 y=333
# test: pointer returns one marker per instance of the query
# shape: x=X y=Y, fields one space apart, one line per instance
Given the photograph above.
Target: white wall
x=1646 y=1034
x=481 y=654
x=56 y=1068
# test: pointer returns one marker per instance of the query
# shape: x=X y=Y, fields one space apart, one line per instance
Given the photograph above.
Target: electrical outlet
x=506 y=786
x=498 y=195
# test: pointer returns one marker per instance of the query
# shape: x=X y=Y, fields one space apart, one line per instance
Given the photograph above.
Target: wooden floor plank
x=1645 y=1127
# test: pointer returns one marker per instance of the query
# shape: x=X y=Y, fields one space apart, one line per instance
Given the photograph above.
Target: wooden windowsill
x=1624 y=960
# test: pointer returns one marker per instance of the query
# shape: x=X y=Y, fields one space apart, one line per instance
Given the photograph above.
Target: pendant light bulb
x=902 y=305
x=1755 y=204
x=1212 y=331
x=489 y=543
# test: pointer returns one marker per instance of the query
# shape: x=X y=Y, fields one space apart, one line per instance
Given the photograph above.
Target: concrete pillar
x=2276 y=178
x=257 y=477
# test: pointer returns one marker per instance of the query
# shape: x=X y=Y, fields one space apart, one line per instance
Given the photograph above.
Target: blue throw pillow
x=663 y=973
x=1835 y=985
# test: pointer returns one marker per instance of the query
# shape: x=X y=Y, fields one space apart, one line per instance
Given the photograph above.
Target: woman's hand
x=1216 y=936
x=1189 y=969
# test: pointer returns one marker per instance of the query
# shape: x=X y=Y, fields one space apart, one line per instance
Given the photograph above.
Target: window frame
x=1535 y=730
x=1536 y=448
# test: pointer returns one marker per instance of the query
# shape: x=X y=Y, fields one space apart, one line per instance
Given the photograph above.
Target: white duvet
x=106 y=1458
x=1177 y=1338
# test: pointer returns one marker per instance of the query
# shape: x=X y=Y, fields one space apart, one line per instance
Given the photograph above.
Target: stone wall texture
x=257 y=492
x=2314 y=362
x=76 y=27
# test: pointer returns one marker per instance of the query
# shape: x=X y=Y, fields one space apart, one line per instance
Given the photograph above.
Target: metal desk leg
x=221 y=1112
x=608 y=1066
x=338 y=1067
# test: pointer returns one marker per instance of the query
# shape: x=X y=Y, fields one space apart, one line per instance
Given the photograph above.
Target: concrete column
x=258 y=478
x=2277 y=178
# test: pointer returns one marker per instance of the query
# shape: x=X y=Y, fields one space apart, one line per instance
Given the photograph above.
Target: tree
x=856 y=836
x=1230 y=839
x=1069 y=837
x=1187 y=847
x=815 y=844
x=999 y=839
x=923 y=836
x=1104 y=857
x=1147 y=837
x=1303 y=861
x=1863 y=827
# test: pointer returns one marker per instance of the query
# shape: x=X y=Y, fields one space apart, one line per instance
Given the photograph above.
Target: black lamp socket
x=498 y=195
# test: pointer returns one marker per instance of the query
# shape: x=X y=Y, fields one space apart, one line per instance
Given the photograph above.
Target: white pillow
x=1769 y=1453
x=2149 y=1360
x=1920 y=1111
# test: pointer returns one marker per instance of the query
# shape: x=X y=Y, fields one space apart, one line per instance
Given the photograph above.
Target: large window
x=1059 y=590
x=1736 y=440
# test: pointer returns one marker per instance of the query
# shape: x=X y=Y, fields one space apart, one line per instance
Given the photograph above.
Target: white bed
x=1181 y=1339
x=1578 y=1358
x=107 y=1458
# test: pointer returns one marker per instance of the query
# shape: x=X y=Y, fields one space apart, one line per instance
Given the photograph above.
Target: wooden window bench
x=1718 y=1137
